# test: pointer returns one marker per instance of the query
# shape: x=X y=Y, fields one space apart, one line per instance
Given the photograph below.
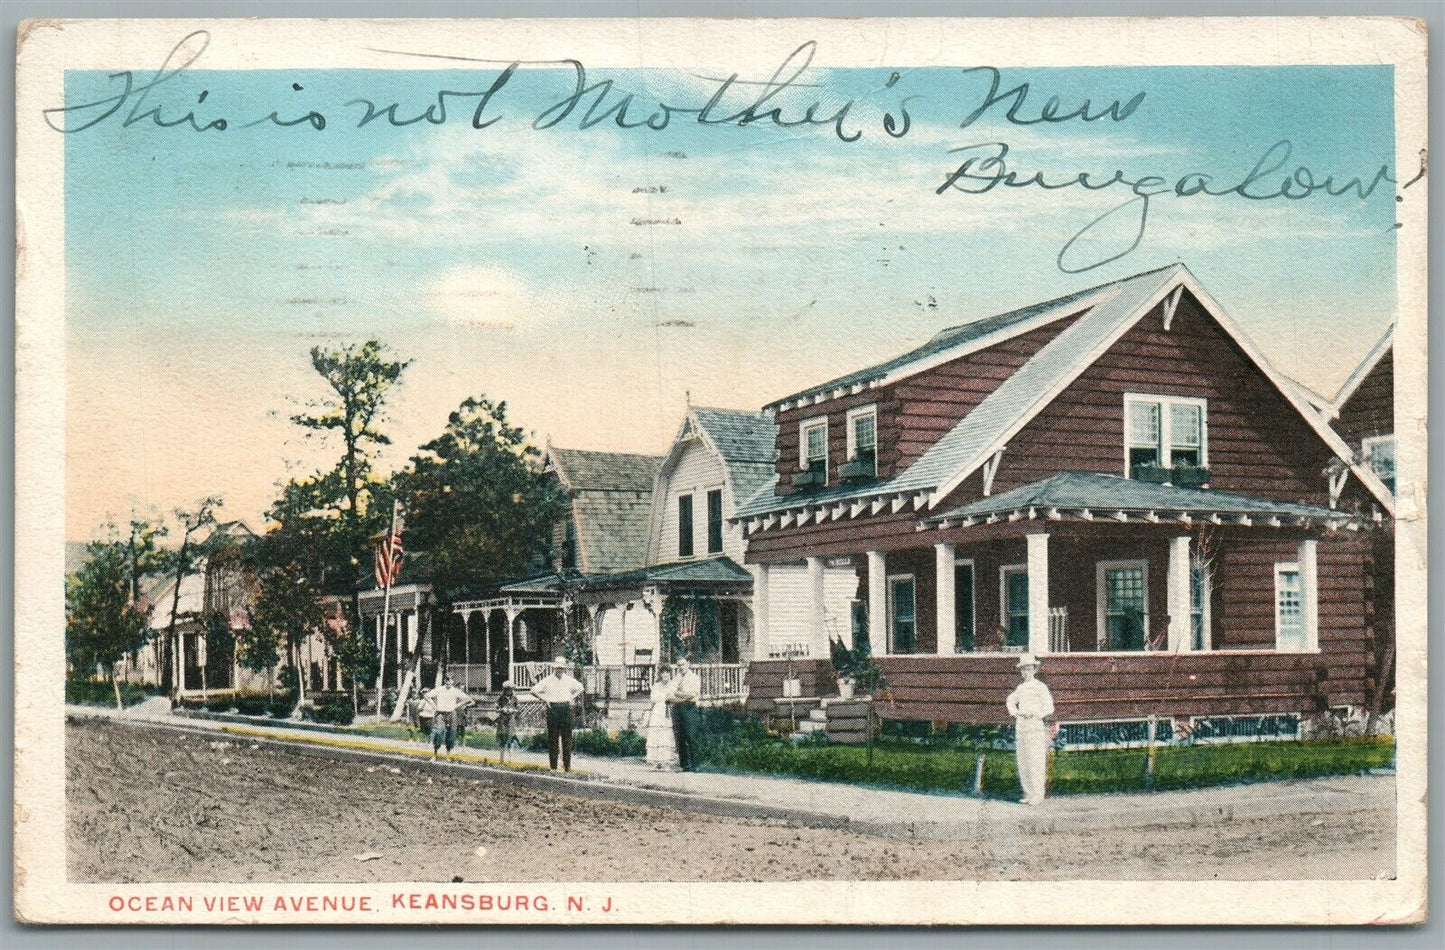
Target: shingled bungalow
x=1116 y=480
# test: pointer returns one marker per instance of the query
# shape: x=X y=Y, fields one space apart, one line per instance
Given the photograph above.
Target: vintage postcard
x=721 y=471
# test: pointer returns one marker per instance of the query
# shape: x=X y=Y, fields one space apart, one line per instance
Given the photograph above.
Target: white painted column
x=1178 y=595
x=760 y=612
x=1309 y=582
x=1038 y=567
x=817 y=632
x=946 y=617
x=511 y=640
x=878 y=603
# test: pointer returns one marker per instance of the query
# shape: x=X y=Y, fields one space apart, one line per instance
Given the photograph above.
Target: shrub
x=925 y=768
x=335 y=712
x=536 y=742
x=102 y=692
x=248 y=705
x=281 y=707
x=600 y=742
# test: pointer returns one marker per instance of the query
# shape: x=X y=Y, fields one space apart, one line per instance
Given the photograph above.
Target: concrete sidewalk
x=885 y=812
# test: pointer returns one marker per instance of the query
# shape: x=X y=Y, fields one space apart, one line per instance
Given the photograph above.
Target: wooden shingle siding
x=1370 y=411
x=765 y=681
x=914 y=412
x=973 y=689
x=1258 y=444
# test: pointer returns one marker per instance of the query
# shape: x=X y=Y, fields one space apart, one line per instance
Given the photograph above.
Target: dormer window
x=1162 y=433
x=813 y=448
x=862 y=443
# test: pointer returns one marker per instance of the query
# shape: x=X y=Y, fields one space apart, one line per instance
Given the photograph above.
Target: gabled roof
x=611 y=505
x=745 y=441
x=1372 y=359
x=953 y=342
x=1104 y=494
x=1110 y=311
x=583 y=470
x=1313 y=399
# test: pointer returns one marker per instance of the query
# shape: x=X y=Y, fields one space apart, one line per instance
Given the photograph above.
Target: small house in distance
x=515 y=631
x=1116 y=480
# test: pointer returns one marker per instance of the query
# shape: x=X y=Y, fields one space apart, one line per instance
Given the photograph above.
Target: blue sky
x=593 y=278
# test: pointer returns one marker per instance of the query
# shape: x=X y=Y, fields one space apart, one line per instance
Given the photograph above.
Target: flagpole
x=385 y=605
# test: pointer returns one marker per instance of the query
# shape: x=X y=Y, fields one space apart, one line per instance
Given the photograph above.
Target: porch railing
x=1058 y=630
x=721 y=680
x=472 y=677
x=526 y=675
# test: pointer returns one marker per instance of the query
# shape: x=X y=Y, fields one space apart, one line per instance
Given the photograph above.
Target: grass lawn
x=1104 y=770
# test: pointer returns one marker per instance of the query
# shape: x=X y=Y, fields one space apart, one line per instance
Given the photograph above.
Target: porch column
x=760 y=611
x=1038 y=593
x=512 y=616
x=878 y=603
x=944 y=598
x=1309 y=583
x=1178 y=595
x=817 y=632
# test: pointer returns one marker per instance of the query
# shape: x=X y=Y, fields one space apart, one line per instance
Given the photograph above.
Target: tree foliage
x=476 y=499
x=286 y=611
x=360 y=378
x=103 y=622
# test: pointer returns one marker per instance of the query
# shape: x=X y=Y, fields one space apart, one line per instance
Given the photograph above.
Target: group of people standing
x=673 y=720
x=672 y=723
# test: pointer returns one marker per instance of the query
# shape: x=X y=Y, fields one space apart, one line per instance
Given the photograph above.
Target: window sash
x=714 y=521
x=1289 y=614
x=1379 y=453
x=684 y=526
x=1016 y=606
x=1164 y=431
x=1125 y=590
x=1198 y=609
x=903 y=614
x=813 y=450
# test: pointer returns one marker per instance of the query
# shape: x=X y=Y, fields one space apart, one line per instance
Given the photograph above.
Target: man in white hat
x=558 y=691
x=1029 y=704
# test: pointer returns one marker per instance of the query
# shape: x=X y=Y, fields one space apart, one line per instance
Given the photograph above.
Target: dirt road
x=153 y=805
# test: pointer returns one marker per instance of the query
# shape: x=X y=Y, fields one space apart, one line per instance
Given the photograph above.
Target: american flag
x=388 y=555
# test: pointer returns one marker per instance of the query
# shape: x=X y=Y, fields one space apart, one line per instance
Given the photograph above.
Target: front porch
x=618 y=630
x=1193 y=603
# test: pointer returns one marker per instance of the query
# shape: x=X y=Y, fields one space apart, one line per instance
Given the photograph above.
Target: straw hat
x=1028 y=659
x=558 y=661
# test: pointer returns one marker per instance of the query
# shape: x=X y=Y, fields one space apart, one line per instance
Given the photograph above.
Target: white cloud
x=484 y=297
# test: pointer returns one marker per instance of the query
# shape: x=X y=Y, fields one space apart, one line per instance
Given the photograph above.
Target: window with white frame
x=1123 y=598
x=1289 y=614
x=863 y=438
x=1165 y=431
x=813 y=446
x=1199 y=587
x=1014 y=606
x=1379 y=453
x=902 y=614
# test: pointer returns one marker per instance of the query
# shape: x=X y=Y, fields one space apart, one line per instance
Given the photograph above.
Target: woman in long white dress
x=661 y=747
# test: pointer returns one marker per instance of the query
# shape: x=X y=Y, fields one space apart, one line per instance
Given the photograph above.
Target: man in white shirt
x=1030 y=703
x=449 y=703
x=558 y=691
x=687 y=687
